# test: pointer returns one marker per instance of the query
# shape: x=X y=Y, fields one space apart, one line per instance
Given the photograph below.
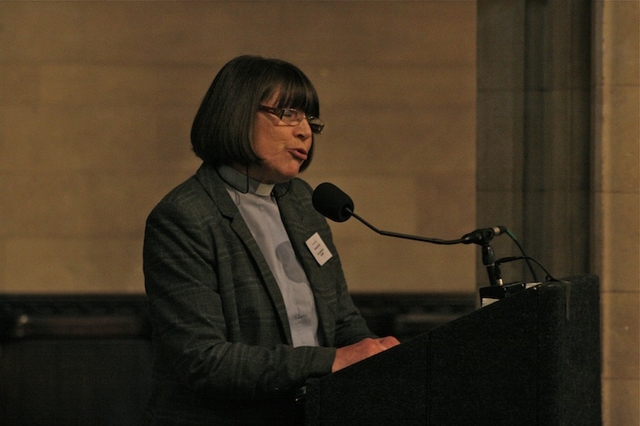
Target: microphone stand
x=496 y=290
x=489 y=261
x=341 y=209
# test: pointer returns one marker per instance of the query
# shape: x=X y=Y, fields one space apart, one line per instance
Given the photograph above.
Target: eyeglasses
x=293 y=117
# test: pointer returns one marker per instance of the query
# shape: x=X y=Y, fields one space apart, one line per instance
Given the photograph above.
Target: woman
x=244 y=306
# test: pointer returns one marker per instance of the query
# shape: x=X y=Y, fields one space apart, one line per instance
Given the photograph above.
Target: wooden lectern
x=532 y=358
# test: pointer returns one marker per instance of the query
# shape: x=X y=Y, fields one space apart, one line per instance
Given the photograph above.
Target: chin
x=287 y=176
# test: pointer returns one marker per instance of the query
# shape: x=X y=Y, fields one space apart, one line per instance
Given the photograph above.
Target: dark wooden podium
x=532 y=358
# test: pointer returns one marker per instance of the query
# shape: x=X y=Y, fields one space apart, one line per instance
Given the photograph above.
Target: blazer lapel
x=300 y=228
x=216 y=189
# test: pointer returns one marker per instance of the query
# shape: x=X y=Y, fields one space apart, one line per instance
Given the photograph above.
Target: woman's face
x=282 y=147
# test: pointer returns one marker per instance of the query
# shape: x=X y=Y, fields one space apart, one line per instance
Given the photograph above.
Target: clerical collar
x=243 y=183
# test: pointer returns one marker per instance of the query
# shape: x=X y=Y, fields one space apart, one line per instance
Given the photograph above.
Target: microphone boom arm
x=405 y=236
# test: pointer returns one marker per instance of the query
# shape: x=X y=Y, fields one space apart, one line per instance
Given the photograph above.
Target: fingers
x=388 y=342
x=356 y=352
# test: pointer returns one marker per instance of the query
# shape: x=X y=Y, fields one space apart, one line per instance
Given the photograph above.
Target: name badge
x=318 y=249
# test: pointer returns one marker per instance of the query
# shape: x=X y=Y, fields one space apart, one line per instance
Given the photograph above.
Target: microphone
x=331 y=202
x=334 y=204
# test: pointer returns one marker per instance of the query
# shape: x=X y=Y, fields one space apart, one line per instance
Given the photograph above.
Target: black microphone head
x=331 y=202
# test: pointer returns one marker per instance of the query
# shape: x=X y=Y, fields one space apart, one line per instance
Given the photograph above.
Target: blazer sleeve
x=196 y=335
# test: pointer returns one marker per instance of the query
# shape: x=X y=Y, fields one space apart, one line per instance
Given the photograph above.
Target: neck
x=241 y=181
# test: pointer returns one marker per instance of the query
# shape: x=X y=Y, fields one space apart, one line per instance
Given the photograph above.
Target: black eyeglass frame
x=315 y=123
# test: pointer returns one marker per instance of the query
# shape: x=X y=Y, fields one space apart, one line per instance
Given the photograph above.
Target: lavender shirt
x=259 y=210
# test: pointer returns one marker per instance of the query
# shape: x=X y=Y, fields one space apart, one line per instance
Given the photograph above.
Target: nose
x=303 y=130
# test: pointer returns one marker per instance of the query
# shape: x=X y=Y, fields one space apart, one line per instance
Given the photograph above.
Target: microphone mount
x=482 y=236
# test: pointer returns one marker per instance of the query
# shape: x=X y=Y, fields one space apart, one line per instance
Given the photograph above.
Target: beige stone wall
x=616 y=204
x=96 y=103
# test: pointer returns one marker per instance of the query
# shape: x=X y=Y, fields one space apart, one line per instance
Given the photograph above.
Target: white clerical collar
x=243 y=183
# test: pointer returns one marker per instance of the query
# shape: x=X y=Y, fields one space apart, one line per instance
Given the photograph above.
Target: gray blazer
x=220 y=329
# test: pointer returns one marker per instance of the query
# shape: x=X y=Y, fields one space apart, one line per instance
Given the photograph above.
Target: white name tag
x=318 y=249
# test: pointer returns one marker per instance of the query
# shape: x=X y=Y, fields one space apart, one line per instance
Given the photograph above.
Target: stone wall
x=96 y=103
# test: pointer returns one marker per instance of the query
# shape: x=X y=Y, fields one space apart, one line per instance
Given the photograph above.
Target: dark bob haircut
x=222 y=128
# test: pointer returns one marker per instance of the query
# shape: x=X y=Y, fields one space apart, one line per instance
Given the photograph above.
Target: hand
x=351 y=354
